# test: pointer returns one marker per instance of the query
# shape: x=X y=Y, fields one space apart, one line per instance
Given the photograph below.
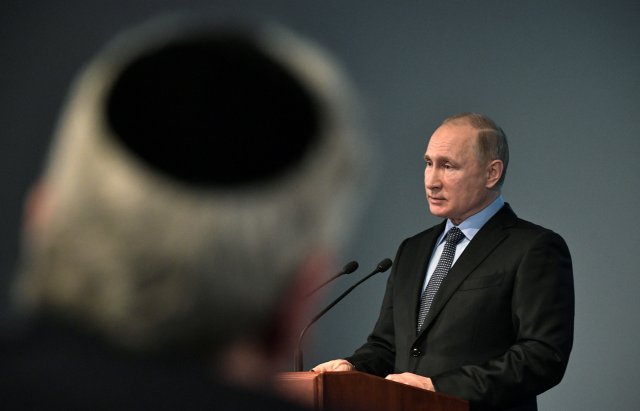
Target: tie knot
x=454 y=235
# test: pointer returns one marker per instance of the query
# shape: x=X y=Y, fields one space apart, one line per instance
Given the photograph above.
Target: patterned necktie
x=444 y=265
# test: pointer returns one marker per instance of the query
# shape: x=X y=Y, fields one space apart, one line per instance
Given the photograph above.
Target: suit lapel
x=423 y=253
x=483 y=243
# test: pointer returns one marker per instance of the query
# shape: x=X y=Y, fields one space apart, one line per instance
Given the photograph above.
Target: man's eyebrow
x=443 y=159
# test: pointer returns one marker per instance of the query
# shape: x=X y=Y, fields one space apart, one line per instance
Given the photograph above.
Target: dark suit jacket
x=49 y=364
x=500 y=329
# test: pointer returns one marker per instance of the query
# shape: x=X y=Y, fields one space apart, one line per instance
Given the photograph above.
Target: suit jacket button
x=415 y=352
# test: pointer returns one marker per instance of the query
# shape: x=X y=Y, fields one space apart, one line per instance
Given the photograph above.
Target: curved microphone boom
x=382 y=266
x=347 y=269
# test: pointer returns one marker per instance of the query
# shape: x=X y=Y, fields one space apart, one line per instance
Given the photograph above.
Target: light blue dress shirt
x=469 y=228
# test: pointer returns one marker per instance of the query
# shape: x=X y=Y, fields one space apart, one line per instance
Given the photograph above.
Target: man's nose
x=431 y=179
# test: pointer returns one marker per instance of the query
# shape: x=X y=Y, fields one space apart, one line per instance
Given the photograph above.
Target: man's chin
x=437 y=211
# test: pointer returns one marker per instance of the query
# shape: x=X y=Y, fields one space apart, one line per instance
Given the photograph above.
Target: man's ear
x=495 y=169
x=296 y=305
x=38 y=208
x=252 y=362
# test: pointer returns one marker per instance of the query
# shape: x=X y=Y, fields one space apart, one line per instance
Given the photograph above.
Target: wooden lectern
x=357 y=391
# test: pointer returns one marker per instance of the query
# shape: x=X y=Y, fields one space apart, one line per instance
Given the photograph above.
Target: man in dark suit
x=500 y=328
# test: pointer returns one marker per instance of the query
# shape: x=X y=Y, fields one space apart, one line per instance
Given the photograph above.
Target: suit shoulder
x=534 y=231
x=525 y=225
x=522 y=224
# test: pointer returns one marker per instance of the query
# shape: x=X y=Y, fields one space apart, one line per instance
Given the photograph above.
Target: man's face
x=455 y=180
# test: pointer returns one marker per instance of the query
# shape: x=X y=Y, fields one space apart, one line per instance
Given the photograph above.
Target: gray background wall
x=562 y=78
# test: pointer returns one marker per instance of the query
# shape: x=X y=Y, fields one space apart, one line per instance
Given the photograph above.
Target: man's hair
x=193 y=170
x=491 y=142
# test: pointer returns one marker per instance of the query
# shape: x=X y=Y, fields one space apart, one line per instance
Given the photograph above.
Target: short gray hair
x=154 y=259
x=492 y=141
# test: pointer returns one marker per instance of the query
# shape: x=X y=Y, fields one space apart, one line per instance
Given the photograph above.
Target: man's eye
x=428 y=163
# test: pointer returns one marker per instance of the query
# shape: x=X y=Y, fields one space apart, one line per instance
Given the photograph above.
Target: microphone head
x=350 y=267
x=384 y=265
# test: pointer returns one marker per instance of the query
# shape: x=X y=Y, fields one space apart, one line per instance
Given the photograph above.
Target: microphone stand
x=347 y=269
x=298 y=361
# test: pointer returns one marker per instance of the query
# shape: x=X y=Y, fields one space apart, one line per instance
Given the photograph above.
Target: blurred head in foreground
x=198 y=179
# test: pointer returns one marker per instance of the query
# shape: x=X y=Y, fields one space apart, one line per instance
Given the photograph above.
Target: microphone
x=347 y=269
x=382 y=266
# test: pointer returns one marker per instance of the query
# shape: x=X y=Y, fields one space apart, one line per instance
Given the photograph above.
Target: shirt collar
x=473 y=224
